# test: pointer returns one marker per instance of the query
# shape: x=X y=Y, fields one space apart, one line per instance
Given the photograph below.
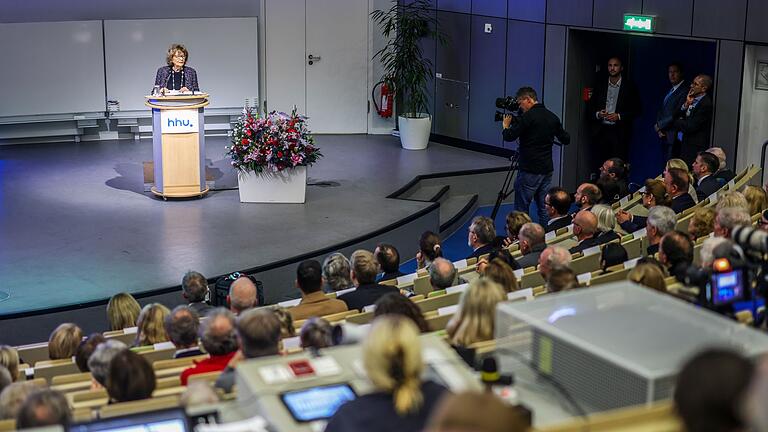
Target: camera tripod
x=506 y=188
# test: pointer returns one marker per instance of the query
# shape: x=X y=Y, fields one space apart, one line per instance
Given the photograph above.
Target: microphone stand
x=506 y=187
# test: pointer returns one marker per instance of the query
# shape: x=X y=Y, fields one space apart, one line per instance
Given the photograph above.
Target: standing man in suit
x=615 y=105
x=694 y=119
x=665 y=117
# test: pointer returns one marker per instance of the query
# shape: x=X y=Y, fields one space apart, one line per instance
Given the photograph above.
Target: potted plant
x=406 y=70
x=271 y=154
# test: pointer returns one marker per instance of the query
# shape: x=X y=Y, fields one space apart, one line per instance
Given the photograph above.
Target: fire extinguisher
x=384 y=101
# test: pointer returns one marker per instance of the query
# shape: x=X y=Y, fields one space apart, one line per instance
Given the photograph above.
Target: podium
x=178 y=145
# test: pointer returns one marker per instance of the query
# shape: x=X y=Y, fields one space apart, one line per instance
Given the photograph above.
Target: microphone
x=490 y=375
x=750 y=238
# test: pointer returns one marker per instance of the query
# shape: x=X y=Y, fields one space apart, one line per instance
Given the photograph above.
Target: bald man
x=584 y=229
x=553 y=258
x=242 y=295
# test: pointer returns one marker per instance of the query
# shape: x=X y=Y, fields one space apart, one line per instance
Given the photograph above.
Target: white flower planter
x=287 y=186
x=414 y=132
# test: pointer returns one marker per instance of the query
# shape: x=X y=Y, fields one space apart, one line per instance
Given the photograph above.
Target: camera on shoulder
x=509 y=103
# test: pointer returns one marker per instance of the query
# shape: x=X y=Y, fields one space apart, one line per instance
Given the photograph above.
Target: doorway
x=645 y=59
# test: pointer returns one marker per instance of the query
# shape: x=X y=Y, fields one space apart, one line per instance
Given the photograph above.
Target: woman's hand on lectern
x=183 y=89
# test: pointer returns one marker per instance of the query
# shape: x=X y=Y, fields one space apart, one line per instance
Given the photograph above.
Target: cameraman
x=536 y=127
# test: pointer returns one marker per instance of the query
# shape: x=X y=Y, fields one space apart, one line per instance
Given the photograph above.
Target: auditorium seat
x=7 y=425
x=48 y=369
x=135 y=407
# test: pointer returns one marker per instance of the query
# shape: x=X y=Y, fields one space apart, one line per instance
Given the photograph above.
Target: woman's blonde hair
x=474 y=322
x=679 y=163
x=9 y=358
x=648 y=275
x=150 y=325
x=172 y=50
x=606 y=219
x=122 y=311
x=286 y=322
x=702 y=222
x=732 y=199
x=501 y=273
x=756 y=198
x=392 y=360
x=64 y=341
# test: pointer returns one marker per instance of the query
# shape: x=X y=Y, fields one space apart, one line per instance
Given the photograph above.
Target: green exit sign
x=640 y=23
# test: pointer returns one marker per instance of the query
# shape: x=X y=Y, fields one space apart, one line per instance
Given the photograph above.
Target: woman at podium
x=176 y=75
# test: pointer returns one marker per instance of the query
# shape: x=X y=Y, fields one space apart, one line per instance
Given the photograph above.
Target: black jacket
x=695 y=127
x=482 y=250
x=531 y=258
x=708 y=186
x=635 y=224
x=682 y=202
x=628 y=105
x=665 y=117
x=725 y=175
x=537 y=128
x=366 y=295
x=559 y=223
x=584 y=244
x=607 y=236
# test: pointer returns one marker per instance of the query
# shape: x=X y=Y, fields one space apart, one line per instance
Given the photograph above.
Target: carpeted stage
x=77 y=225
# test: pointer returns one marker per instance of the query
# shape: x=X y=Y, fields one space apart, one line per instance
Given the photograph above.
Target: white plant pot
x=414 y=132
x=287 y=186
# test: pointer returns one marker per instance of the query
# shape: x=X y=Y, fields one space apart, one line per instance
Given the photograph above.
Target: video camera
x=508 y=103
x=722 y=285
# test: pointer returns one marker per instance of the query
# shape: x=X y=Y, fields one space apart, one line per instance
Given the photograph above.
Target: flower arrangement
x=274 y=142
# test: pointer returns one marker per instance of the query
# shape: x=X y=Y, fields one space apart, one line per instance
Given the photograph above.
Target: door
x=336 y=60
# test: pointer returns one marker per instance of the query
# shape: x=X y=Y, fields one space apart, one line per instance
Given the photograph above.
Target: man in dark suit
x=584 y=228
x=389 y=261
x=676 y=183
x=704 y=168
x=181 y=326
x=614 y=105
x=480 y=237
x=723 y=173
x=364 y=270
x=557 y=203
x=586 y=196
x=694 y=119
x=665 y=117
x=532 y=243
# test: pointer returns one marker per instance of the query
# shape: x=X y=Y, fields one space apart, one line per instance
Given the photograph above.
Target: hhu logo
x=176 y=122
x=179 y=121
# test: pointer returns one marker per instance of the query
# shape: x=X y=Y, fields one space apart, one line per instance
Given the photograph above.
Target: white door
x=337 y=83
x=284 y=55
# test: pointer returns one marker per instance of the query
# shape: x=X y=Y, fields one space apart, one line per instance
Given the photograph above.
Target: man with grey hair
x=707 y=252
x=553 y=258
x=661 y=220
x=336 y=271
x=442 y=274
x=532 y=244
x=480 y=237
x=194 y=289
x=217 y=334
x=242 y=295
x=723 y=173
x=98 y=362
x=44 y=407
x=181 y=326
x=729 y=218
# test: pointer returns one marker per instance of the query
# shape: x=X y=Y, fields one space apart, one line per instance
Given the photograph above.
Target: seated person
x=85 y=350
x=429 y=249
x=130 y=378
x=704 y=168
x=606 y=224
x=610 y=191
x=584 y=229
x=557 y=203
x=217 y=334
x=648 y=275
x=500 y=272
x=150 y=325
x=389 y=261
x=181 y=326
x=729 y=218
x=442 y=274
x=757 y=199
x=676 y=182
x=474 y=321
x=587 y=195
x=532 y=243
x=396 y=304
x=100 y=360
x=364 y=270
x=44 y=407
x=476 y=412
x=613 y=254
x=194 y=289
x=616 y=170
x=514 y=222
x=553 y=258
x=676 y=253
x=562 y=279
x=63 y=342
x=316 y=334
x=655 y=194
x=336 y=273
x=723 y=174
x=481 y=236
x=661 y=220
x=401 y=401
x=702 y=222
x=309 y=280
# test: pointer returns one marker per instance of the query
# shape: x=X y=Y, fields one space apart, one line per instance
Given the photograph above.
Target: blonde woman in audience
x=401 y=401
x=732 y=199
x=150 y=325
x=679 y=163
x=9 y=358
x=648 y=275
x=64 y=341
x=122 y=311
x=756 y=198
x=500 y=272
x=702 y=222
x=474 y=321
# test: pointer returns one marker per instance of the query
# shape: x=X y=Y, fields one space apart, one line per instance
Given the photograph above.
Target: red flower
x=245 y=141
x=279 y=154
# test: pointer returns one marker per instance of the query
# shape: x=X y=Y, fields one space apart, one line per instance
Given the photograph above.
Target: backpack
x=221 y=289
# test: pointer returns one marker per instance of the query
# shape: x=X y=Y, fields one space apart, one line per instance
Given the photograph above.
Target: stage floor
x=76 y=225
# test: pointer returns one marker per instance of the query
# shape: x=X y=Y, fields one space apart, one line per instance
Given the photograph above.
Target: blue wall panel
x=529 y=10
x=487 y=75
x=495 y=8
x=453 y=57
x=673 y=17
x=525 y=55
x=718 y=19
x=570 y=12
x=463 y=6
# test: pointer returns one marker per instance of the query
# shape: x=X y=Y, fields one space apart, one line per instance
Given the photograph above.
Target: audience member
x=122 y=311
x=85 y=350
x=676 y=182
x=553 y=258
x=182 y=326
x=217 y=334
x=442 y=274
x=150 y=325
x=711 y=391
x=429 y=249
x=557 y=203
x=364 y=269
x=723 y=172
x=514 y=222
x=702 y=223
x=316 y=334
x=616 y=171
x=481 y=236
x=501 y=273
x=648 y=275
x=9 y=358
x=707 y=252
x=242 y=295
x=612 y=254
x=64 y=341
x=258 y=335
x=502 y=254
x=757 y=199
x=676 y=253
x=5 y=378
x=610 y=190
x=393 y=362
x=389 y=262
x=683 y=165
x=655 y=193
x=194 y=289
x=477 y=310
x=475 y=412
x=732 y=199
x=704 y=167
x=44 y=407
x=762 y=223
x=13 y=396
x=606 y=224
x=562 y=279
x=283 y=315
x=532 y=243
x=584 y=229
x=729 y=218
x=336 y=270
x=587 y=195
x=396 y=304
x=100 y=360
x=661 y=220
x=309 y=280
x=654 y=262
x=130 y=377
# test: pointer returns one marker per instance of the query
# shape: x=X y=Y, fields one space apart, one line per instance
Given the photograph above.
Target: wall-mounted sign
x=640 y=23
x=178 y=121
